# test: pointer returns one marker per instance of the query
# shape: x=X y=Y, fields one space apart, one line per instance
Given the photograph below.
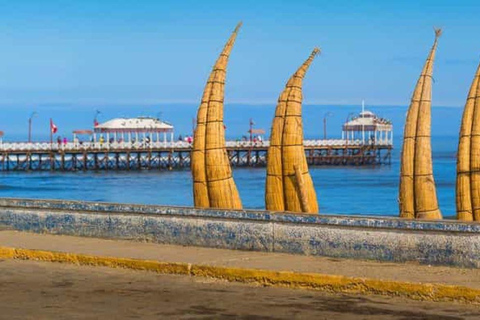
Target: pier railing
x=74 y=156
x=178 y=145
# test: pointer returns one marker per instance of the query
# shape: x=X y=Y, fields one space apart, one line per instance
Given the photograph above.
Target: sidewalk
x=226 y=264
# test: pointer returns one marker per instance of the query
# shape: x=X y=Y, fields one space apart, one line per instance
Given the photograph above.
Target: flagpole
x=51 y=133
x=251 y=130
x=363 y=124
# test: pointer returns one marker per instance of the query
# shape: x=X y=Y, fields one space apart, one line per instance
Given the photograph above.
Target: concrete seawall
x=382 y=239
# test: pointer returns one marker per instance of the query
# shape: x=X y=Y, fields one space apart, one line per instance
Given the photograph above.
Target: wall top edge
x=257 y=215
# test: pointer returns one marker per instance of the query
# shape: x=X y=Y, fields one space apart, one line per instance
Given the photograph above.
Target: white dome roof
x=134 y=124
x=368 y=121
x=367 y=114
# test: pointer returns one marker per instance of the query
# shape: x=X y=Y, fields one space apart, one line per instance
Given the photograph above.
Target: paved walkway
x=243 y=259
x=43 y=290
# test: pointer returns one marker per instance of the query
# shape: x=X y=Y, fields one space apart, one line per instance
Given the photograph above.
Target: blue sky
x=158 y=52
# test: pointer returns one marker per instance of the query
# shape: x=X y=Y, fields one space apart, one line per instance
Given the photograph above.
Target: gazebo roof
x=140 y=124
x=367 y=121
x=256 y=131
x=83 y=131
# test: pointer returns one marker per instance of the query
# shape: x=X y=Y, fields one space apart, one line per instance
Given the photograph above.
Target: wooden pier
x=175 y=155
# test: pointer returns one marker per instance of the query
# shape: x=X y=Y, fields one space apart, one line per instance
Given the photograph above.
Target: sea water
x=365 y=190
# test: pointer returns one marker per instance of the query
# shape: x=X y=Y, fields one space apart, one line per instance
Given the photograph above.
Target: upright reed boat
x=417 y=193
x=468 y=157
x=213 y=184
x=289 y=186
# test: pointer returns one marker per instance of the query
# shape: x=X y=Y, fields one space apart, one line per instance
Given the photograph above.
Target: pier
x=76 y=156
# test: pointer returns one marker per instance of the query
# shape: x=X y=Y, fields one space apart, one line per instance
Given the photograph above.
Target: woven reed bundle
x=200 y=188
x=417 y=194
x=289 y=186
x=468 y=157
x=213 y=184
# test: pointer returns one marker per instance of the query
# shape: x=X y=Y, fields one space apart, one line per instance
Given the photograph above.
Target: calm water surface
x=341 y=190
x=344 y=190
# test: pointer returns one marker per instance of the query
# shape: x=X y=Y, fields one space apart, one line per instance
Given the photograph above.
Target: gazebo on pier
x=369 y=129
x=81 y=132
x=134 y=130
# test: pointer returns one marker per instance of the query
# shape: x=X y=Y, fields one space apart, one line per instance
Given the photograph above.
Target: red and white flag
x=53 y=127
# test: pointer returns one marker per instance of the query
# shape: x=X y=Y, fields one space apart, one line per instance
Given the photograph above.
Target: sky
x=87 y=53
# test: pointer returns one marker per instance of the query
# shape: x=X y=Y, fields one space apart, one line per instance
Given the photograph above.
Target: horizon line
x=162 y=103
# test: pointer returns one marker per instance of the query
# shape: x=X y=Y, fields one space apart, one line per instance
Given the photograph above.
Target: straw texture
x=417 y=194
x=213 y=184
x=468 y=157
x=289 y=186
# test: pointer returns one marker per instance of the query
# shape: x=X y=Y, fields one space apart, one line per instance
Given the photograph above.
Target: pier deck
x=175 y=155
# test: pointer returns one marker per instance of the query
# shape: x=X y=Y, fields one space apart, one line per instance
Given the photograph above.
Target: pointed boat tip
x=438 y=32
x=239 y=25
x=316 y=51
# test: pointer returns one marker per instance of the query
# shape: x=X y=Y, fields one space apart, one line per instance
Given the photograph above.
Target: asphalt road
x=36 y=290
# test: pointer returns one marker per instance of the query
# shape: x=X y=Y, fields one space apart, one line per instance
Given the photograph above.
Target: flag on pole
x=53 y=127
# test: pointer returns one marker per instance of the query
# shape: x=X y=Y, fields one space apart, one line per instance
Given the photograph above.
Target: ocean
x=340 y=190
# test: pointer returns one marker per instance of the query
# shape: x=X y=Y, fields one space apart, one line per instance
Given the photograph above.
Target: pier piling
x=71 y=157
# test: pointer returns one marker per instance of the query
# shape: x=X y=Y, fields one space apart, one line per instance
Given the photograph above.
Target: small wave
x=28 y=188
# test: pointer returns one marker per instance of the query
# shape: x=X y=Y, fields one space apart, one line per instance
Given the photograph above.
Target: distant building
x=369 y=129
x=134 y=130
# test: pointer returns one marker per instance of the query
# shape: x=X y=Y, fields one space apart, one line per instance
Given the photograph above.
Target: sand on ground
x=45 y=290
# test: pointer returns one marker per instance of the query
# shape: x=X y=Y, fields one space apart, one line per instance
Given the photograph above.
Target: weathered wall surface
x=386 y=239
